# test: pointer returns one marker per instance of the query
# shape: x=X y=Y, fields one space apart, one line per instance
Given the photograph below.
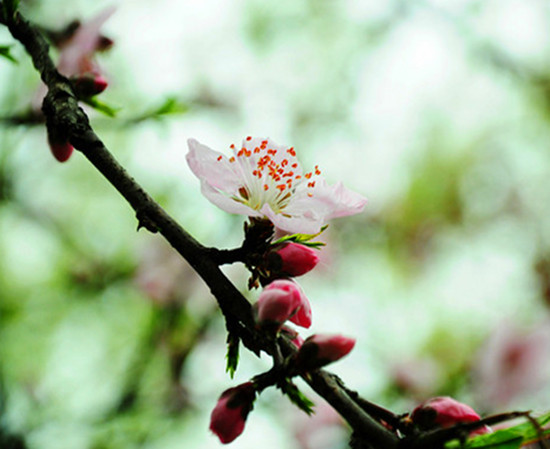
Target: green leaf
x=232 y=356
x=303 y=239
x=170 y=106
x=510 y=438
x=5 y=52
x=297 y=397
x=104 y=108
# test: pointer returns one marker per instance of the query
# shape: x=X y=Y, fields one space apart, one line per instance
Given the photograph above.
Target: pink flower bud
x=228 y=417
x=61 y=150
x=294 y=336
x=444 y=411
x=283 y=300
x=320 y=350
x=293 y=259
x=89 y=84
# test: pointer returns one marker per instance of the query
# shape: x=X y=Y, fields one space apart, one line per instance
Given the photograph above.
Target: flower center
x=270 y=175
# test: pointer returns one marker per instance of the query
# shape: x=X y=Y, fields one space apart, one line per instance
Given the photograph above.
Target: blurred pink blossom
x=325 y=429
x=513 y=363
x=77 y=53
x=164 y=276
x=77 y=61
x=417 y=378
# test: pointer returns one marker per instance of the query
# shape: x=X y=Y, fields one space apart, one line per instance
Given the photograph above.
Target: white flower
x=263 y=179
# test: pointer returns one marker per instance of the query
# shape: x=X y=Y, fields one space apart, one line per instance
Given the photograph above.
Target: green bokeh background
x=437 y=111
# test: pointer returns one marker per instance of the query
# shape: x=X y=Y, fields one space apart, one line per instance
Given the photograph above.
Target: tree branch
x=63 y=113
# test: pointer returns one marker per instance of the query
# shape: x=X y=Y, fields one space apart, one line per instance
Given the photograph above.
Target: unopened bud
x=283 y=300
x=293 y=259
x=61 y=150
x=320 y=350
x=228 y=417
x=444 y=411
x=88 y=85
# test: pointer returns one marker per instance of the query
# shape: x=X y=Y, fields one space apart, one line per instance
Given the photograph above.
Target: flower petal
x=213 y=167
x=225 y=202
x=344 y=201
x=293 y=224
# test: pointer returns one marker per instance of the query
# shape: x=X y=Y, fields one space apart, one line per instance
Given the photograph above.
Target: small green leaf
x=297 y=397
x=104 y=108
x=5 y=52
x=171 y=106
x=303 y=239
x=232 y=356
x=510 y=438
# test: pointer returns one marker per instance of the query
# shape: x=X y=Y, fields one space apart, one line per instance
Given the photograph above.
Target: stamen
x=244 y=193
x=219 y=158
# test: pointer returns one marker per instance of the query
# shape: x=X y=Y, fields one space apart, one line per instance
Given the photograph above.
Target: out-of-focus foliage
x=437 y=111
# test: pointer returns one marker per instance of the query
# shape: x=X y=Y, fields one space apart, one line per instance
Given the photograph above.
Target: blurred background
x=437 y=111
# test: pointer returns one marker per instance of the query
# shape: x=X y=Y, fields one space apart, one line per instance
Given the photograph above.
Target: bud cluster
x=282 y=300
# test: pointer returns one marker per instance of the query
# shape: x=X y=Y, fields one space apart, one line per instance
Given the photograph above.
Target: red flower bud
x=89 y=84
x=293 y=259
x=444 y=411
x=320 y=350
x=294 y=336
x=228 y=417
x=61 y=150
x=283 y=300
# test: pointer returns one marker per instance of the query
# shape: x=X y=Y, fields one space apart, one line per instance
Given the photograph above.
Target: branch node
x=144 y=221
